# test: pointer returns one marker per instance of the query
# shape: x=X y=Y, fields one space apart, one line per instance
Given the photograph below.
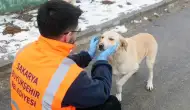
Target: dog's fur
x=128 y=56
x=71 y=1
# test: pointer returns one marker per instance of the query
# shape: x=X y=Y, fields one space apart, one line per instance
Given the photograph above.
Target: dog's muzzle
x=101 y=47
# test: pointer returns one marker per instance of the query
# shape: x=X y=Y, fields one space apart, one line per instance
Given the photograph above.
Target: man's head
x=58 y=20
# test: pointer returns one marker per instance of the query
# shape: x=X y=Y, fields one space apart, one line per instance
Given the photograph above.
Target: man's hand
x=93 y=46
x=108 y=52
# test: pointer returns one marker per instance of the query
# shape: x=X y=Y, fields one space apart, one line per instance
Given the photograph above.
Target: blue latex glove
x=93 y=46
x=108 y=52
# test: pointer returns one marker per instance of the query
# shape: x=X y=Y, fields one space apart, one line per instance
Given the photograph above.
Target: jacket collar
x=55 y=46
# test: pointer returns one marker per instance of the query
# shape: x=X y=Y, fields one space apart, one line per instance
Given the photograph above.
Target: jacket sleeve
x=82 y=59
x=88 y=92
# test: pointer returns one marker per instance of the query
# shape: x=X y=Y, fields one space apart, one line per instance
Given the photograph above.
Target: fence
x=15 y=5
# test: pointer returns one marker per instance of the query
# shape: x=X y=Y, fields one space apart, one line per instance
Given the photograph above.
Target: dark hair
x=56 y=17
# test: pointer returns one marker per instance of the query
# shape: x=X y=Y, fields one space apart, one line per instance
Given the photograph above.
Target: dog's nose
x=101 y=46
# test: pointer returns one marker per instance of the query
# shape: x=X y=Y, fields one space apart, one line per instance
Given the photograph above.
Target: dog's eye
x=111 y=39
x=102 y=37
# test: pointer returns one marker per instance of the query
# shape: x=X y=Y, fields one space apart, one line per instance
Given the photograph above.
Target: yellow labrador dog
x=130 y=53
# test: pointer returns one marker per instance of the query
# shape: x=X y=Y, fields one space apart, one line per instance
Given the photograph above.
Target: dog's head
x=110 y=38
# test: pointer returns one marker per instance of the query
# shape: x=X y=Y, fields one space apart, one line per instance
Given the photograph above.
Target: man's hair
x=56 y=17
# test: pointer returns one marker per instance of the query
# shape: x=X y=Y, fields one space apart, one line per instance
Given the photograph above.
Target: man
x=45 y=77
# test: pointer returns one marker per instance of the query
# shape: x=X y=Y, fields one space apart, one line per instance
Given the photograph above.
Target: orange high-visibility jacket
x=41 y=78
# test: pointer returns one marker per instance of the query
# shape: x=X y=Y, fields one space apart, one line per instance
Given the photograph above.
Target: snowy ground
x=94 y=13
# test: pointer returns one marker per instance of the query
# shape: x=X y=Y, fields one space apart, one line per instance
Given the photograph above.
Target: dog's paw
x=119 y=97
x=149 y=86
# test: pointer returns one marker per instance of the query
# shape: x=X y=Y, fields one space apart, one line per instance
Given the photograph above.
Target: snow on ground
x=9 y=44
x=94 y=13
x=121 y=29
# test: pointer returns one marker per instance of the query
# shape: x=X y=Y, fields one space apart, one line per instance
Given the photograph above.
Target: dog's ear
x=123 y=44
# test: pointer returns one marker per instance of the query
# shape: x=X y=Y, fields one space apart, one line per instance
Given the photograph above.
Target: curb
x=98 y=28
x=121 y=19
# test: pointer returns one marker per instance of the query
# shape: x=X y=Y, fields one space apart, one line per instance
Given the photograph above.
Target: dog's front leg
x=119 y=92
x=118 y=88
x=121 y=82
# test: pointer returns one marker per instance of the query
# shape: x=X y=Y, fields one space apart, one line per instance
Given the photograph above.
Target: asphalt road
x=171 y=72
x=172 y=69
